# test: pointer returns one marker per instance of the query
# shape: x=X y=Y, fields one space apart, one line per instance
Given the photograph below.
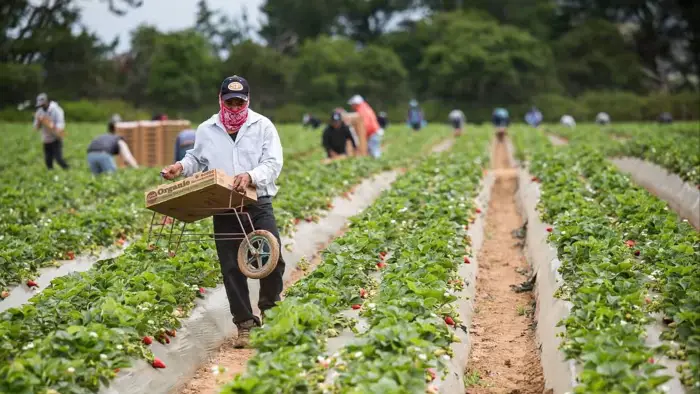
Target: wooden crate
x=151 y=133
x=171 y=128
x=353 y=119
x=130 y=132
x=152 y=142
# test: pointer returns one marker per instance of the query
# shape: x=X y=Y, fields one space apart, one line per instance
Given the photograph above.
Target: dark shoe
x=243 y=340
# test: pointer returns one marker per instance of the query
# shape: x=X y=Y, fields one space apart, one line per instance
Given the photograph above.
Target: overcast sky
x=163 y=14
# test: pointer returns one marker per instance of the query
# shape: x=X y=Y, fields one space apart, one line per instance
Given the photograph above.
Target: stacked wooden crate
x=152 y=142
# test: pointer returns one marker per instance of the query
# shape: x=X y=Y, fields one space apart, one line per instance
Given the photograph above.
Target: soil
x=504 y=356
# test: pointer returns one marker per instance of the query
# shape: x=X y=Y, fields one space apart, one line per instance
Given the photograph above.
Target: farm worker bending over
x=244 y=144
x=310 y=121
x=336 y=136
x=568 y=121
x=415 y=115
x=369 y=118
x=50 y=119
x=102 y=149
x=666 y=118
x=533 y=117
x=602 y=118
x=501 y=120
x=457 y=119
x=183 y=143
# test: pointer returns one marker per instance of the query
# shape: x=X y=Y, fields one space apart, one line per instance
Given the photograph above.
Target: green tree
x=182 y=71
x=474 y=58
x=594 y=56
x=330 y=70
x=267 y=71
x=291 y=22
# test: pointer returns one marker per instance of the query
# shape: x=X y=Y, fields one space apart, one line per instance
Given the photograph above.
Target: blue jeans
x=100 y=162
x=374 y=144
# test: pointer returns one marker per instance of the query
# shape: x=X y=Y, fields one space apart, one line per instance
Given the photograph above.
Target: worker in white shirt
x=49 y=118
x=457 y=119
x=246 y=145
x=103 y=148
x=602 y=118
x=568 y=121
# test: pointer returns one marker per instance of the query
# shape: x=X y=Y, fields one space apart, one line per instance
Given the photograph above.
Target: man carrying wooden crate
x=373 y=132
x=49 y=118
x=243 y=144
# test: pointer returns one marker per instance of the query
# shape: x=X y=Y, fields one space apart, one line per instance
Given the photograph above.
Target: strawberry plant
x=625 y=256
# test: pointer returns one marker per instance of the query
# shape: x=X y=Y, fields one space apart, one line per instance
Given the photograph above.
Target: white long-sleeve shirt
x=55 y=113
x=257 y=151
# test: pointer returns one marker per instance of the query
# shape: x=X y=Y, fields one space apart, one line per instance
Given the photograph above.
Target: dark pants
x=54 y=150
x=235 y=282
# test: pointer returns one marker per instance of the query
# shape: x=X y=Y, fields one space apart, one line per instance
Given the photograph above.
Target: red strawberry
x=202 y=290
x=478 y=210
x=449 y=321
x=297 y=220
x=381 y=265
x=31 y=283
x=549 y=229
x=157 y=363
x=630 y=243
x=637 y=252
x=382 y=254
x=167 y=340
x=151 y=247
x=171 y=254
x=116 y=370
x=466 y=260
x=70 y=254
x=147 y=340
x=121 y=241
x=651 y=360
x=4 y=294
x=171 y=333
x=432 y=373
x=330 y=206
x=363 y=293
x=356 y=306
x=534 y=179
x=647 y=300
x=309 y=219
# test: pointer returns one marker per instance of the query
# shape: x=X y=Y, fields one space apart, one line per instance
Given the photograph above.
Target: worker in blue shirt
x=183 y=143
x=533 y=117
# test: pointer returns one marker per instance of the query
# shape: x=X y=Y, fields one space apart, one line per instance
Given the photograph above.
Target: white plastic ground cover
x=653 y=340
x=454 y=380
x=21 y=294
x=210 y=323
x=559 y=374
x=680 y=196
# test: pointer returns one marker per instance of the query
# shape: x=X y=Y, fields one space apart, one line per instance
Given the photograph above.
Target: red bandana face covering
x=232 y=119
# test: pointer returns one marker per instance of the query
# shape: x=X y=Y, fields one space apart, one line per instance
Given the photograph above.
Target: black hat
x=336 y=116
x=235 y=87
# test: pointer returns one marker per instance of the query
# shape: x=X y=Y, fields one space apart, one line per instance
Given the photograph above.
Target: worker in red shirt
x=369 y=118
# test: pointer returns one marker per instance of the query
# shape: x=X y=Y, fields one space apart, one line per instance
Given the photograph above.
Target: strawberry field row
x=40 y=226
x=80 y=330
x=624 y=257
x=675 y=148
x=414 y=237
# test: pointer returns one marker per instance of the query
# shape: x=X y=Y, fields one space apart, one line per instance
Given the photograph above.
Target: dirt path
x=504 y=356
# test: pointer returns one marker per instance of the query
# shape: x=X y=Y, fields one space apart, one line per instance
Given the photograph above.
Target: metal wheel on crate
x=258 y=254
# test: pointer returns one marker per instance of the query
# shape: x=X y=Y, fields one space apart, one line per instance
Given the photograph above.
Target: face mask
x=232 y=119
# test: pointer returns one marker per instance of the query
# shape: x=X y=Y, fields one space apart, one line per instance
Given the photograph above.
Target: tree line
x=314 y=54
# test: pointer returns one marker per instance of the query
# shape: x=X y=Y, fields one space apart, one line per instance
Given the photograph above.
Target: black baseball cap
x=235 y=87
x=336 y=116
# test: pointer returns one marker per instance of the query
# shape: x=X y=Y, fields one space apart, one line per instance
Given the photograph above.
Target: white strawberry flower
x=120 y=347
x=70 y=370
x=422 y=357
x=93 y=334
x=357 y=354
x=103 y=356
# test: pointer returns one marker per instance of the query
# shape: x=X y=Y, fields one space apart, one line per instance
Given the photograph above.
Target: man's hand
x=172 y=171
x=241 y=182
